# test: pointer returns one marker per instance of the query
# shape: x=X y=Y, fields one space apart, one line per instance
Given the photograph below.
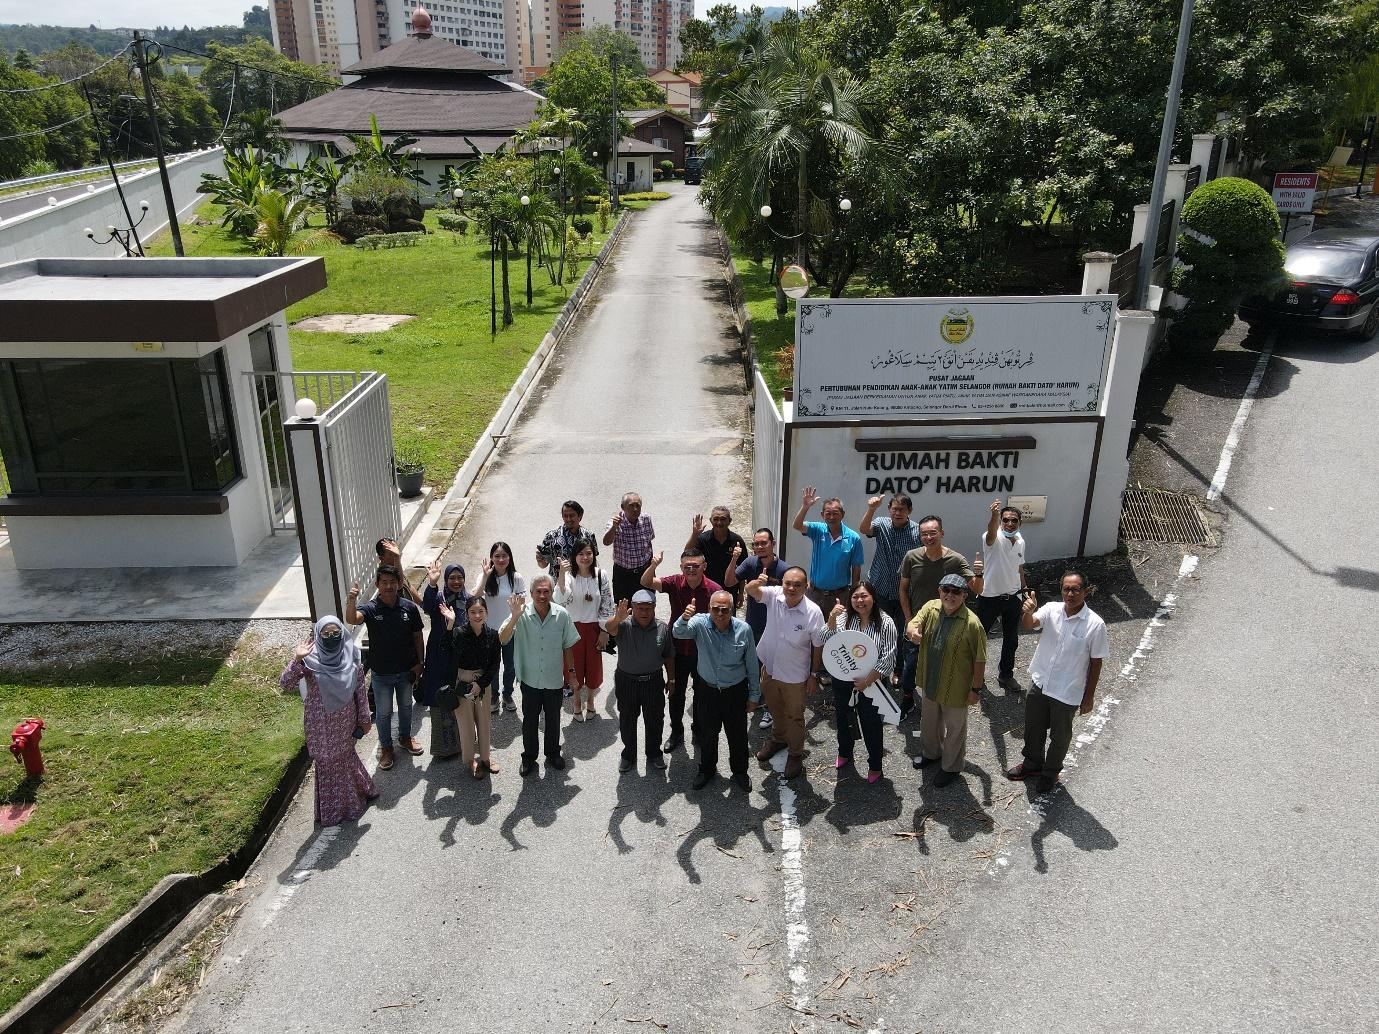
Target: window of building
x=79 y=426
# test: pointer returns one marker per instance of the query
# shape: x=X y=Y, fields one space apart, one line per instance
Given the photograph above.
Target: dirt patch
x=351 y=322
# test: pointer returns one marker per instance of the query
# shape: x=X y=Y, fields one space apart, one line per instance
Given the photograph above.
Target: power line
x=243 y=64
x=46 y=129
x=67 y=82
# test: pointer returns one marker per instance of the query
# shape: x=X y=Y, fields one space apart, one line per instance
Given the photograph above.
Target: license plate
x=1293 y=298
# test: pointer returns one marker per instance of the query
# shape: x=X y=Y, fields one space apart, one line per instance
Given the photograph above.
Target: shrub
x=667 y=168
x=584 y=226
x=1228 y=248
x=353 y=225
x=370 y=191
x=454 y=223
x=604 y=212
x=374 y=241
x=644 y=195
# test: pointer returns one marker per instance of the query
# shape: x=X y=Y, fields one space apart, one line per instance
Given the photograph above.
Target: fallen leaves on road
x=646 y=1019
x=890 y=968
x=730 y=854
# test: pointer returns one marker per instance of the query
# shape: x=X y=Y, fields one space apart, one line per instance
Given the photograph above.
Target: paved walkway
x=546 y=903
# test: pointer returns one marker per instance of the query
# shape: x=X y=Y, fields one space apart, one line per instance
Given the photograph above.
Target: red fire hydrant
x=24 y=745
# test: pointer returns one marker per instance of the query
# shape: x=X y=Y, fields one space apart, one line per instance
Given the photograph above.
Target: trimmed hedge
x=374 y=241
x=455 y=223
x=1229 y=249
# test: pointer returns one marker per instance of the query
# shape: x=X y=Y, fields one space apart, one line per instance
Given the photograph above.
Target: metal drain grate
x=1154 y=515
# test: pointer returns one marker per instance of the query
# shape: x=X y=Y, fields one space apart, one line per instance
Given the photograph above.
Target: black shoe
x=920 y=761
x=703 y=779
x=527 y=767
x=1008 y=683
x=740 y=778
x=624 y=765
x=509 y=705
x=1046 y=783
x=675 y=740
x=657 y=761
x=944 y=778
x=556 y=762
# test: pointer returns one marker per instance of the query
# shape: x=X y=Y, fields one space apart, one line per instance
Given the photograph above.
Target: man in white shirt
x=1064 y=672
x=790 y=652
x=1004 y=581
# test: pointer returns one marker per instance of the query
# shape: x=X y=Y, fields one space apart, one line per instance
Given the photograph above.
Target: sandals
x=474 y=769
x=492 y=767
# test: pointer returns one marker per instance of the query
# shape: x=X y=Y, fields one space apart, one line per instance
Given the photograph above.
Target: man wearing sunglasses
x=1064 y=671
x=689 y=586
x=1002 y=586
x=950 y=663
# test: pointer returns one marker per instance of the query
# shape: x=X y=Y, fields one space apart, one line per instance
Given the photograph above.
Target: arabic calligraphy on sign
x=972 y=359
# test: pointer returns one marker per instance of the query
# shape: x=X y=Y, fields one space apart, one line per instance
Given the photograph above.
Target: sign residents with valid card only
x=1294 y=192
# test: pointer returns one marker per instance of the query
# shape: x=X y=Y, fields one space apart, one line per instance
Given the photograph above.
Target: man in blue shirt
x=836 y=563
x=730 y=686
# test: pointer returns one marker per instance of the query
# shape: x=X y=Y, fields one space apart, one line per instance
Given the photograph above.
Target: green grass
x=446 y=376
x=152 y=770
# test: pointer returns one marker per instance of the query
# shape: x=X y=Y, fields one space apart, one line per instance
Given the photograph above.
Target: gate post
x=309 y=463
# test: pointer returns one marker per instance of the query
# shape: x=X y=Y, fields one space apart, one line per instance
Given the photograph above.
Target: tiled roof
x=421 y=103
x=431 y=54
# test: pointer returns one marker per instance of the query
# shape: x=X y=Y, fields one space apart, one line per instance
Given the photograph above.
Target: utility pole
x=142 y=61
x=1156 y=194
x=110 y=164
x=613 y=58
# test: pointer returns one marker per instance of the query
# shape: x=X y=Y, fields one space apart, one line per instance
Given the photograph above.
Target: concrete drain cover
x=351 y=323
x=1155 y=515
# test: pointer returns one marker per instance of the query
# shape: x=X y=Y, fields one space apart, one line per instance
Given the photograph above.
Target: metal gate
x=275 y=394
x=358 y=433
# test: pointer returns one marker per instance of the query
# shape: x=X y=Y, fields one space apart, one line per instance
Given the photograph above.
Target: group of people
x=927 y=610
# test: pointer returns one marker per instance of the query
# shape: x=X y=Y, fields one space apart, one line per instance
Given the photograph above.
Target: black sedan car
x=1332 y=283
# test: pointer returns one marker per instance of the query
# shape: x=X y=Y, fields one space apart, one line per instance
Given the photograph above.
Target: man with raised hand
x=630 y=533
x=790 y=654
x=646 y=666
x=729 y=686
x=689 y=586
x=722 y=547
x=543 y=636
x=1003 y=582
x=1064 y=671
x=894 y=537
x=836 y=561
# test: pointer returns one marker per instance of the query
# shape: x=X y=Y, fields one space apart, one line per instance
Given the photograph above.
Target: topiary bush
x=1229 y=249
x=374 y=241
x=667 y=168
x=583 y=226
x=454 y=223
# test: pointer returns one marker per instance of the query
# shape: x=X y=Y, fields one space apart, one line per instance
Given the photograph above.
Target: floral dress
x=343 y=787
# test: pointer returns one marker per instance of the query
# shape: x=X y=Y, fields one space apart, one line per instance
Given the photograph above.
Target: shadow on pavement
x=1062 y=814
x=470 y=800
x=726 y=815
x=543 y=794
x=346 y=839
x=641 y=796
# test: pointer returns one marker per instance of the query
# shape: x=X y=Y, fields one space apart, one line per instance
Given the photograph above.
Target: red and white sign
x=1294 y=191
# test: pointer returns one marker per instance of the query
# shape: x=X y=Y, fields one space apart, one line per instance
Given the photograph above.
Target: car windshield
x=1331 y=263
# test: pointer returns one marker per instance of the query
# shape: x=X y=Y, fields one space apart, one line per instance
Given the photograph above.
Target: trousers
x=473 y=719
x=684 y=670
x=1045 y=716
x=1006 y=609
x=943 y=734
x=384 y=688
x=867 y=716
x=644 y=697
x=785 y=701
x=535 y=703
x=721 y=708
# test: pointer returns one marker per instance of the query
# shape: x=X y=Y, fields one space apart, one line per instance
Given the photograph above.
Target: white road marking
x=1223 y=468
x=303 y=873
x=792 y=866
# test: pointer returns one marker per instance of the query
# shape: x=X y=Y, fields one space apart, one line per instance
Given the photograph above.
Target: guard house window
x=112 y=426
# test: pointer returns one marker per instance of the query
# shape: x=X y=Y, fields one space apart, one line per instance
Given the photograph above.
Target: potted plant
x=410 y=472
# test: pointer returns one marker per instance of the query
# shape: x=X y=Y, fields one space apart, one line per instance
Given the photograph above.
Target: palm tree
x=796 y=109
x=280 y=216
x=260 y=130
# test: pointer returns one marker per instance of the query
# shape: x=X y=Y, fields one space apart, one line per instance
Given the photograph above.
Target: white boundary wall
x=58 y=231
x=768 y=444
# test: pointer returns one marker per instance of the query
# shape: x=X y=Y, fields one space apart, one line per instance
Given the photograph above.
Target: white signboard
x=850 y=654
x=904 y=358
x=1294 y=192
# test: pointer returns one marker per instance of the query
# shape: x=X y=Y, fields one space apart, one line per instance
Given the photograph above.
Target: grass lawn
x=153 y=769
x=446 y=376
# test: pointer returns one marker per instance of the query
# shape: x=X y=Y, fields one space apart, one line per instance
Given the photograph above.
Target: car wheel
x=1371 y=323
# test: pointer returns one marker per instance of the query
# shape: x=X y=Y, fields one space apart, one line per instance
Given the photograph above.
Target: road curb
x=439 y=530
x=54 y=1004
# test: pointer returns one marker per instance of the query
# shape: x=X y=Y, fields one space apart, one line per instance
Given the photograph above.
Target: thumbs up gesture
x=690 y=611
x=977 y=566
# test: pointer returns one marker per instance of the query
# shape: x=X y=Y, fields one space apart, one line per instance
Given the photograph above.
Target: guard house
x=130 y=433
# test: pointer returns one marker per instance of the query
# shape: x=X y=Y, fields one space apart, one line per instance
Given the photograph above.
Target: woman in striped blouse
x=864 y=614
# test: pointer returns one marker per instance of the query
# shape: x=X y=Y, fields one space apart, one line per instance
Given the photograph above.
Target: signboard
x=1294 y=192
x=850 y=654
x=909 y=358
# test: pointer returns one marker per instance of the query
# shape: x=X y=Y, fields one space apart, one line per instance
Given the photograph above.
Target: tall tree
x=582 y=80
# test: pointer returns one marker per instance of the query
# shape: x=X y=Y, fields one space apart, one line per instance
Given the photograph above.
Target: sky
x=148 y=13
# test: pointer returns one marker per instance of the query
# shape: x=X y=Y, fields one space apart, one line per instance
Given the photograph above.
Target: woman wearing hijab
x=327 y=669
x=450 y=590
x=474 y=655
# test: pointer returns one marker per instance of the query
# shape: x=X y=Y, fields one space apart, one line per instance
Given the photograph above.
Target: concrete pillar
x=1201 y=153
x=1139 y=232
x=1133 y=330
x=308 y=460
x=1096 y=272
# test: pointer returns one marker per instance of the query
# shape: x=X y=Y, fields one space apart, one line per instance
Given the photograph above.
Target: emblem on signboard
x=956 y=326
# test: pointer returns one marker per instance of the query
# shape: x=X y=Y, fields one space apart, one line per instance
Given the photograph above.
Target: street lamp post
x=844 y=207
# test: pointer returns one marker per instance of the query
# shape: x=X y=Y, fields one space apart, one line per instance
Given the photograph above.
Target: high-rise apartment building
x=654 y=24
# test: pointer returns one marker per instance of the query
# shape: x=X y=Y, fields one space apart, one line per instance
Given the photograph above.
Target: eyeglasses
x=1073 y=589
x=949 y=590
x=691 y=567
x=1010 y=520
x=721 y=610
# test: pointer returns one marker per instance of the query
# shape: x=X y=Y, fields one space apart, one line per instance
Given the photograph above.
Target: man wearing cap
x=951 y=665
x=1065 y=670
x=729 y=686
x=790 y=652
x=646 y=666
x=1002 y=585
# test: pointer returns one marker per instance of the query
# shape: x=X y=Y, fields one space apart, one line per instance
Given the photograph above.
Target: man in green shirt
x=951 y=662
x=543 y=636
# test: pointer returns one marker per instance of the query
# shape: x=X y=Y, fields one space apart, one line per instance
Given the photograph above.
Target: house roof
x=665 y=75
x=421 y=103
x=632 y=146
x=438 y=145
x=426 y=54
x=641 y=116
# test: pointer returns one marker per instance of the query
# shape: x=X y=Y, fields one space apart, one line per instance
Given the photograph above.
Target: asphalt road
x=1206 y=867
